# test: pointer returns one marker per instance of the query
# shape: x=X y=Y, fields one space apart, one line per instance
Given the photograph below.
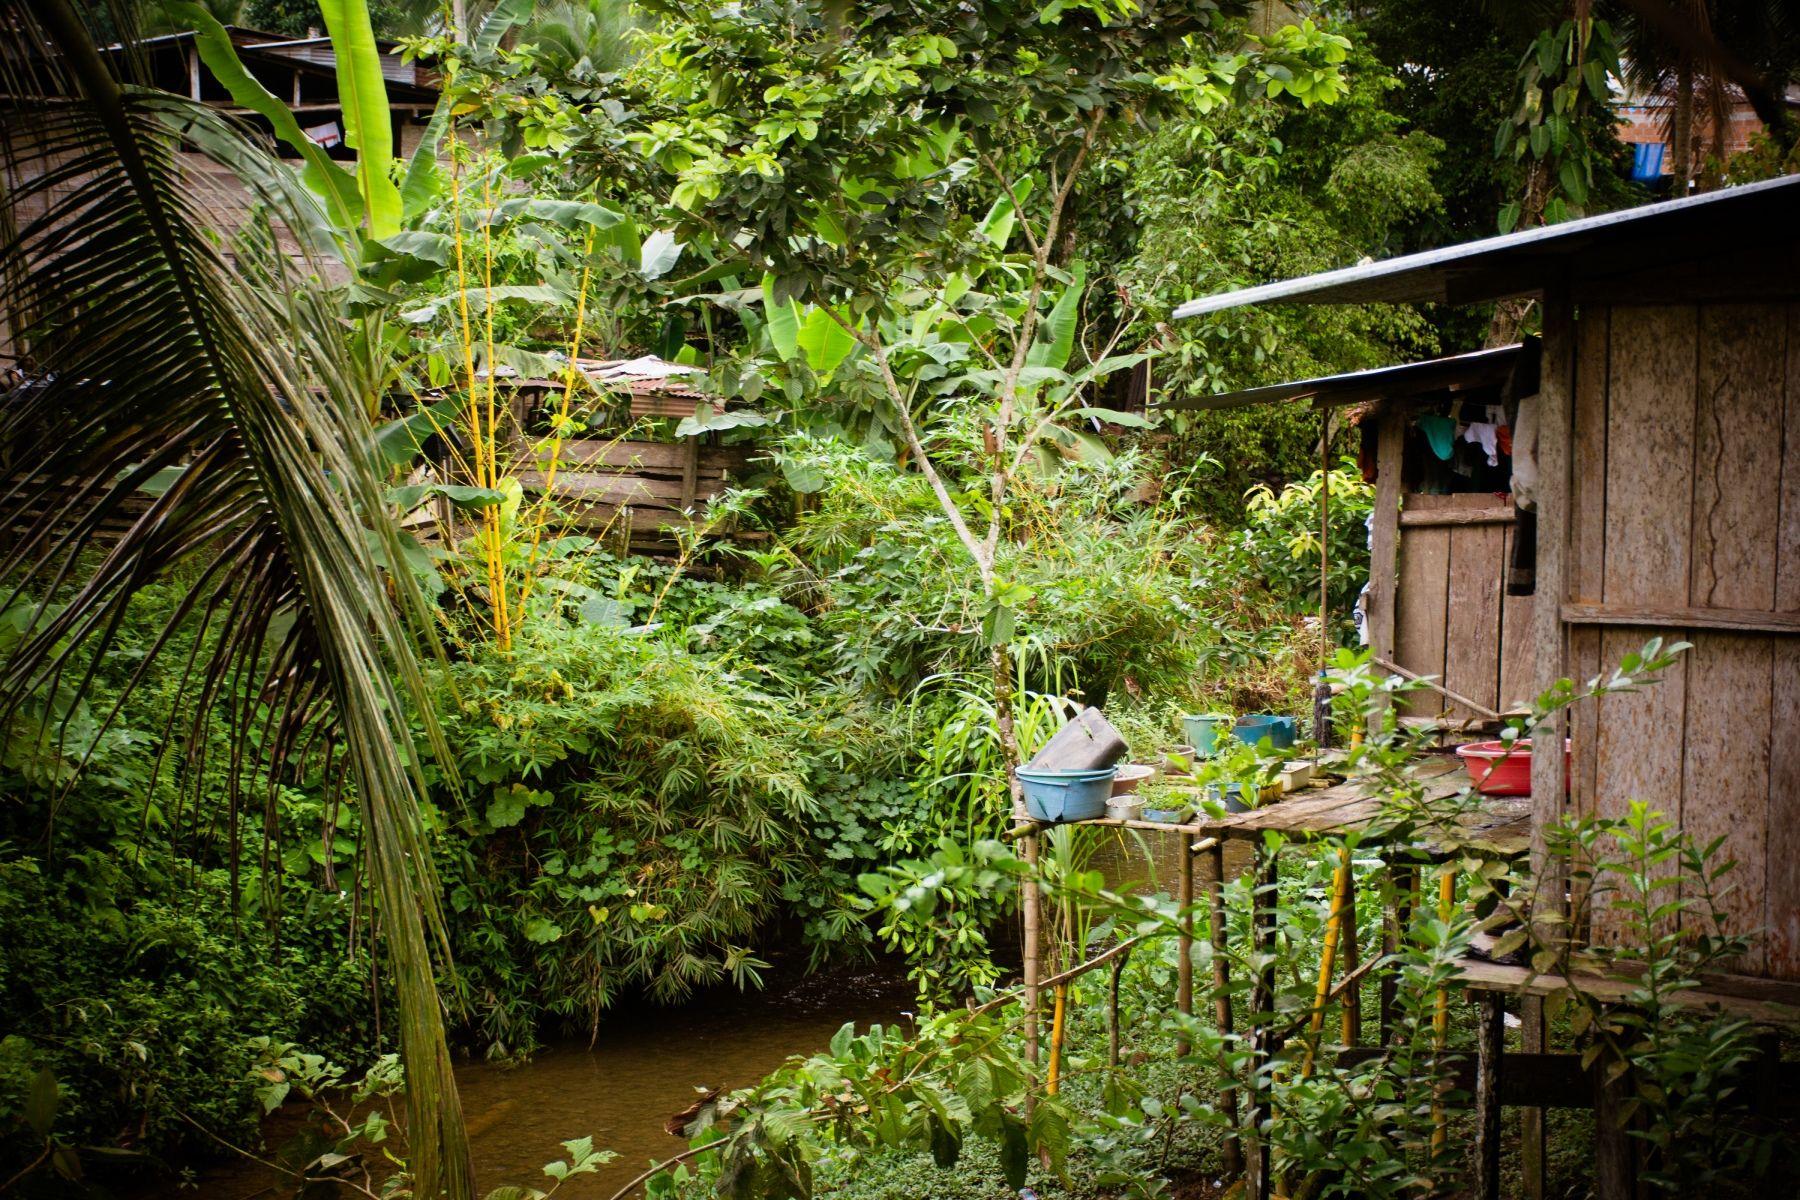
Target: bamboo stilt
x=1234 y=1154
x=1112 y=1022
x=1334 y=932
x=1033 y=905
x=1184 y=969
x=1350 y=957
x=1052 y=1072
x=1440 y=1017
x=1264 y=1040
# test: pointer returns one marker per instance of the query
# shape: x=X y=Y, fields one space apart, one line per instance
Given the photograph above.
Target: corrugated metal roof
x=1478 y=368
x=1692 y=229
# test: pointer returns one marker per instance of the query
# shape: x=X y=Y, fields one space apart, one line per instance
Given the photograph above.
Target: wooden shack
x=1667 y=504
x=1653 y=492
x=643 y=485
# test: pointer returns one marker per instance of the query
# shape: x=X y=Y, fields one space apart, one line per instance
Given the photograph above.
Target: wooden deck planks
x=1502 y=824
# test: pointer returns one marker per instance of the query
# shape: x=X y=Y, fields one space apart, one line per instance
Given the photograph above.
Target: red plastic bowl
x=1497 y=771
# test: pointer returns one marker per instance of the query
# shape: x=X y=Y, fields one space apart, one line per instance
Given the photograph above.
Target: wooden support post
x=1531 y=1120
x=1384 y=539
x=1234 y=1153
x=1555 y=408
x=1264 y=920
x=690 y=473
x=1490 y=1042
x=1615 y=1167
x=1405 y=883
x=1184 y=969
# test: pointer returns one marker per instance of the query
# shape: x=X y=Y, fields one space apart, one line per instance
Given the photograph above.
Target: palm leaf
x=156 y=349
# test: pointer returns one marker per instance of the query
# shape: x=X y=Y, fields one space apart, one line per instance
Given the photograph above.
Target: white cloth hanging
x=1486 y=435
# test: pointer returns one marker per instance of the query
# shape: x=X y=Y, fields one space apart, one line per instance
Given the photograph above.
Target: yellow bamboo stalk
x=1440 y=1017
x=1056 y=1040
x=1334 y=932
x=562 y=417
x=495 y=548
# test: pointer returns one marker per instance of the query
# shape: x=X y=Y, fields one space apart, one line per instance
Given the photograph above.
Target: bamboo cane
x=1056 y=1040
x=1334 y=932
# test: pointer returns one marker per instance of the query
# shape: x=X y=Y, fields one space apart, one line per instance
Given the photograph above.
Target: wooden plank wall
x=1687 y=497
x=637 y=490
x=1453 y=620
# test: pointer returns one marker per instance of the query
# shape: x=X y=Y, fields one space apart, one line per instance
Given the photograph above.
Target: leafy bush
x=634 y=814
x=138 y=990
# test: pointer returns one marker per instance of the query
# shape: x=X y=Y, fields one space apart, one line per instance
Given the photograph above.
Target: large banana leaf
x=368 y=122
x=158 y=349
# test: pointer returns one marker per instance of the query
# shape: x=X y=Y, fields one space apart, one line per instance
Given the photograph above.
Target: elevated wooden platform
x=1499 y=825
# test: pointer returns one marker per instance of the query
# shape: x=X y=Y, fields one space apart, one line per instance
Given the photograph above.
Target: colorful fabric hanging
x=1440 y=435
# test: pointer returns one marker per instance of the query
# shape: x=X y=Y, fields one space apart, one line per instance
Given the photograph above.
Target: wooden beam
x=1763 y=1001
x=1555 y=411
x=1497 y=515
x=1384 y=538
x=1743 y=620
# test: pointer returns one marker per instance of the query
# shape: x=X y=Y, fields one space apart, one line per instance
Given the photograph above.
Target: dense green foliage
x=929 y=252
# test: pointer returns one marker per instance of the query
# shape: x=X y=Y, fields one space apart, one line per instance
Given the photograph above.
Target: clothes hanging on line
x=1486 y=435
x=1440 y=434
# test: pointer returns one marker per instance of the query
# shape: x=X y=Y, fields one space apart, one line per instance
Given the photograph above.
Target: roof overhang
x=1674 y=233
x=1474 y=371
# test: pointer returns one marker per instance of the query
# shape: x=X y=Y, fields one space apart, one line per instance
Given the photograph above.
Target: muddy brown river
x=644 y=1068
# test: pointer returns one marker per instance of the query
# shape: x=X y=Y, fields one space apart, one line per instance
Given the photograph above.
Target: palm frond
x=158 y=351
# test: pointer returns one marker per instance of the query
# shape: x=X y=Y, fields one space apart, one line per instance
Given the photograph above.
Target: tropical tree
x=212 y=378
x=849 y=154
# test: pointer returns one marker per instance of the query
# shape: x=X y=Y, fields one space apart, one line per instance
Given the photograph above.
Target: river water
x=643 y=1068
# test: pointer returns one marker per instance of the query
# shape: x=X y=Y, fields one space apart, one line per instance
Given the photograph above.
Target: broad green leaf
x=368 y=122
x=658 y=255
x=830 y=230
x=567 y=213
x=705 y=420
x=1056 y=340
x=1129 y=420
x=329 y=180
x=504 y=16
x=783 y=320
x=997 y=226
x=542 y=931
x=41 y=1103
x=824 y=342
x=425 y=180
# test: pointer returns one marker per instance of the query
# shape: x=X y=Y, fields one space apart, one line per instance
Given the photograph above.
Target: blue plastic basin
x=1062 y=796
x=1279 y=730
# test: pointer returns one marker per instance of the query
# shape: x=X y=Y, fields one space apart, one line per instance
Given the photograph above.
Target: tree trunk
x=1684 y=127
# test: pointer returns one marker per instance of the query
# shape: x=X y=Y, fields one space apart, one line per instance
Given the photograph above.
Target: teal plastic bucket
x=1228 y=796
x=1279 y=730
x=1204 y=730
x=1062 y=796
